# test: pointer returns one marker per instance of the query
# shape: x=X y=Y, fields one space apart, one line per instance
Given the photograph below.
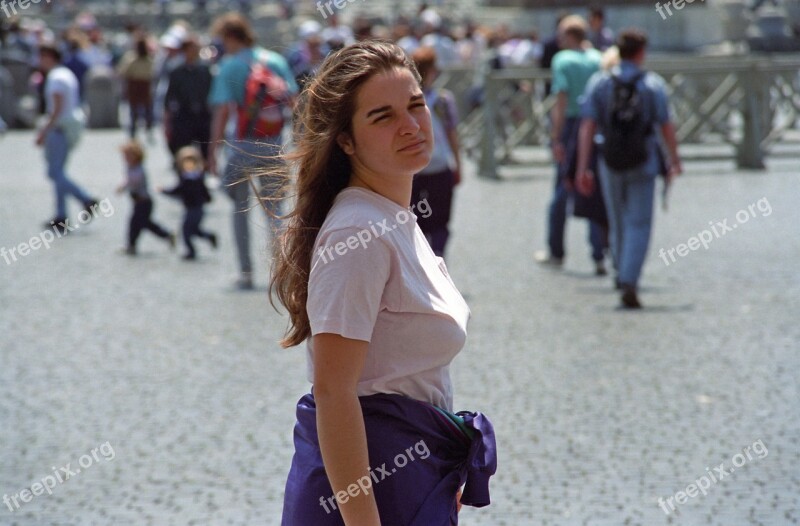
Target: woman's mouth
x=414 y=146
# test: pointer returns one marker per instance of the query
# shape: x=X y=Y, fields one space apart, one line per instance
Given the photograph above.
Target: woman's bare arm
x=338 y=362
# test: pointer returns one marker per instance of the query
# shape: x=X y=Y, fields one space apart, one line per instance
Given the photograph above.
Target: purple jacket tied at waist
x=418 y=459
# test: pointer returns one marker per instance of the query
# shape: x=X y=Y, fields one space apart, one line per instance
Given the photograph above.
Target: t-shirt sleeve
x=58 y=84
x=590 y=101
x=657 y=84
x=222 y=86
x=560 y=82
x=346 y=284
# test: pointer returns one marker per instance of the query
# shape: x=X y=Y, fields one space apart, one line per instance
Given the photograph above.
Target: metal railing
x=749 y=102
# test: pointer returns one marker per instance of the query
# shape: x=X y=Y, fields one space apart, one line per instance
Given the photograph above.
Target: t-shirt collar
x=385 y=201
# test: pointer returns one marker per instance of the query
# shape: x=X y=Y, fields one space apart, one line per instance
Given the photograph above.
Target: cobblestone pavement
x=598 y=412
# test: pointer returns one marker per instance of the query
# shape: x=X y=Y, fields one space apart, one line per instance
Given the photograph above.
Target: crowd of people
x=195 y=85
x=610 y=122
x=199 y=88
x=373 y=134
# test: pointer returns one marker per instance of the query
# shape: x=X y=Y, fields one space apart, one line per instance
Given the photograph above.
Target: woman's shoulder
x=360 y=214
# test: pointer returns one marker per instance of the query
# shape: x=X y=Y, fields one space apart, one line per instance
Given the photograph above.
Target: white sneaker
x=546 y=259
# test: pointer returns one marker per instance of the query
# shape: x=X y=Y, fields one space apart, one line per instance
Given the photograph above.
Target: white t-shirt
x=62 y=80
x=390 y=290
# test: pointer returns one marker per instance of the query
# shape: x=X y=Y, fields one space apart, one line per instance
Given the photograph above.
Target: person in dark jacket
x=187 y=116
x=191 y=189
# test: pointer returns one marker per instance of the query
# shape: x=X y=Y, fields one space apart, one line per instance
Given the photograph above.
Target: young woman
x=376 y=443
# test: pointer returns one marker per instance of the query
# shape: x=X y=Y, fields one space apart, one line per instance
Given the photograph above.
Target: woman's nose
x=409 y=124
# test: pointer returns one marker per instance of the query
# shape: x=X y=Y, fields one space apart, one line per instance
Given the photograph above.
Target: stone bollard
x=8 y=99
x=102 y=95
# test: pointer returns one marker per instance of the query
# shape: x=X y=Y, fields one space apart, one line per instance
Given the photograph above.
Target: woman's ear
x=345 y=142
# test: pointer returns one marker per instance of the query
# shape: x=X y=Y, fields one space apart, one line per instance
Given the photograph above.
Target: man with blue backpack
x=629 y=107
x=256 y=88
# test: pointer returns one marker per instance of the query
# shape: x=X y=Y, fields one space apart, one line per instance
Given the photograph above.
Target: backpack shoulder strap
x=650 y=104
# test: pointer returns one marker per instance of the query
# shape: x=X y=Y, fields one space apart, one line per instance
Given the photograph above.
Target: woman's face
x=391 y=126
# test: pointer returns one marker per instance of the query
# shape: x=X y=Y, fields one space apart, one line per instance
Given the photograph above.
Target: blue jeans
x=629 y=197
x=557 y=222
x=56 y=152
x=244 y=162
x=557 y=215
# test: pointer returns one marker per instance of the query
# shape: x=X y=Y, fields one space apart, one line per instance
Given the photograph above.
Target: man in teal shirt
x=572 y=67
x=244 y=156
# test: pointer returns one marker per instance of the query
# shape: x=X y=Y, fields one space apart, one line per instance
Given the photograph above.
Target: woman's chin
x=420 y=162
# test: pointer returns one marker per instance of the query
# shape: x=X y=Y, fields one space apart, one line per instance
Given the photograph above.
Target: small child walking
x=136 y=184
x=191 y=189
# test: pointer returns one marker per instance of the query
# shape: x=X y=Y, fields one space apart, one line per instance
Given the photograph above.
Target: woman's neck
x=397 y=189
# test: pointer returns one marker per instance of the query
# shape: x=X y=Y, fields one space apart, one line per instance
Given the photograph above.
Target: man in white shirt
x=62 y=130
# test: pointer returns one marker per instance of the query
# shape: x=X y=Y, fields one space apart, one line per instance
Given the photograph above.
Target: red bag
x=265 y=97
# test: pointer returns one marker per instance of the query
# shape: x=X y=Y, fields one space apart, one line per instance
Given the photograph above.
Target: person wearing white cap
x=168 y=59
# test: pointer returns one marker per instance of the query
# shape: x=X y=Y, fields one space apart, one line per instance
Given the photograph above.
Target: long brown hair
x=325 y=111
